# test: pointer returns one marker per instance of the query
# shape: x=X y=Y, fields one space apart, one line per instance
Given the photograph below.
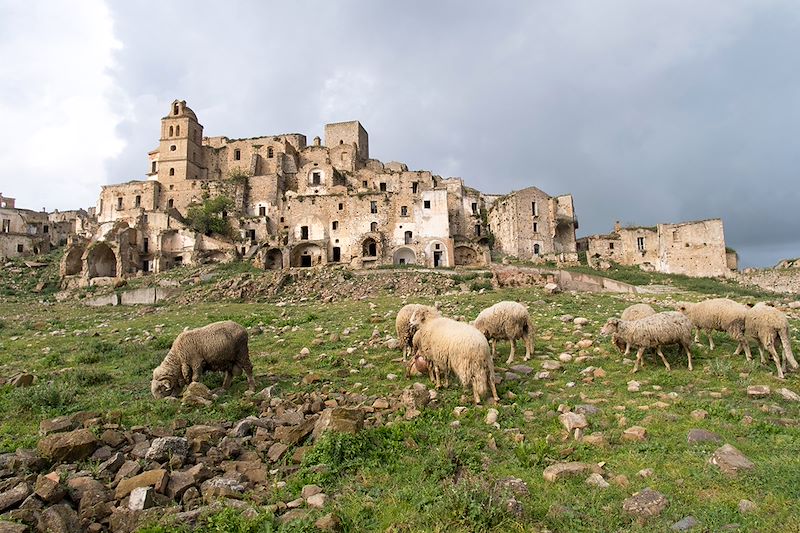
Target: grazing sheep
x=404 y=332
x=634 y=312
x=507 y=320
x=767 y=324
x=446 y=345
x=654 y=331
x=221 y=346
x=716 y=314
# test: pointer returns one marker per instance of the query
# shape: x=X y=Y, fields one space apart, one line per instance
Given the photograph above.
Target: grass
x=426 y=474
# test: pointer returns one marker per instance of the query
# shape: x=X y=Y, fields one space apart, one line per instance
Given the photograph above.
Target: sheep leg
x=639 y=355
x=710 y=341
x=688 y=355
x=226 y=383
x=627 y=349
x=661 y=354
x=761 y=353
x=776 y=358
x=475 y=394
x=447 y=377
x=786 y=344
x=494 y=347
x=530 y=346
x=492 y=385
x=744 y=344
x=510 y=359
x=697 y=335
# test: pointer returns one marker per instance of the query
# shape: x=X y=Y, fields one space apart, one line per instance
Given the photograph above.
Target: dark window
x=640 y=243
x=403 y=211
x=414 y=187
x=171 y=131
x=383 y=187
x=224 y=214
x=119 y=202
x=341 y=206
x=373 y=227
x=478 y=230
x=175 y=110
x=474 y=208
x=611 y=246
x=373 y=207
x=145 y=266
x=146 y=245
x=536 y=227
x=305 y=260
x=335 y=224
x=270 y=152
x=237 y=154
x=172 y=172
x=252 y=234
x=281 y=219
x=316 y=178
x=364 y=184
x=46 y=229
x=153 y=169
x=137 y=202
x=172 y=148
x=535 y=249
x=408 y=237
x=171 y=203
x=262 y=211
x=337 y=254
x=534 y=209
x=20 y=248
x=426 y=204
x=177 y=131
x=304 y=233
x=7 y=225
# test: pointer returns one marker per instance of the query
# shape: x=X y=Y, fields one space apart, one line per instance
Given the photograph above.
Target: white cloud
x=58 y=126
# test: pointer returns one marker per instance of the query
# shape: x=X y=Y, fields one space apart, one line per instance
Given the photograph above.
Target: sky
x=645 y=111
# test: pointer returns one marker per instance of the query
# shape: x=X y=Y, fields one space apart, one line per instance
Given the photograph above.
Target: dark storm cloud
x=645 y=111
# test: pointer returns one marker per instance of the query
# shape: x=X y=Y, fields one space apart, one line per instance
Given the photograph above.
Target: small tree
x=206 y=218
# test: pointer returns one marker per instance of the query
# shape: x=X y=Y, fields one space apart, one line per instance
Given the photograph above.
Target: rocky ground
x=336 y=438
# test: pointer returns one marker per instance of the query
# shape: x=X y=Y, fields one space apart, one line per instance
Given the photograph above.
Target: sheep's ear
x=167 y=384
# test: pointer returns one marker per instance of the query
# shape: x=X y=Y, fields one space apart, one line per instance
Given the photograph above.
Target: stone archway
x=102 y=262
x=274 y=259
x=72 y=261
x=369 y=248
x=306 y=255
x=404 y=256
x=465 y=256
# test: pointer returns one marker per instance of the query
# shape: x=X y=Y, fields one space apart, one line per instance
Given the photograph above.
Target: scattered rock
x=572 y=421
x=12 y=498
x=789 y=395
x=339 y=419
x=49 y=488
x=548 y=364
x=152 y=478
x=317 y=501
x=597 y=480
x=66 y=447
x=730 y=460
x=559 y=471
x=701 y=435
x=521 y=369
x=141 y=498
x=491 y=417
x=699 y=414
x=684 y=524
x=635 y=433
x=329 y=522
x=59 y=519
x=162 y=449
x=746 y=506
x=221 y=487
x=758 y=391
x=645 y=503
x=634 y=386
x=565 y=357
x=22 y=380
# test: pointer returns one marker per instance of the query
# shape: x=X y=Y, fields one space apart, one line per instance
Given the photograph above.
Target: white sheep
x=221 y=347
x=655 y=331
x=716 y=314
x=633 y=312
x=450 y=345
x=767 y=324
x=404 y=332
x=509 y=321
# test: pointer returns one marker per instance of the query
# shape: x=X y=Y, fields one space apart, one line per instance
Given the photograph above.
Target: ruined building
x=695 y=249
x=291 y=204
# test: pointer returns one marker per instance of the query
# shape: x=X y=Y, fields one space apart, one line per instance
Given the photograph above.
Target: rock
x=620 y=480
x=684 y=524
x=543 y=375
x=521 y=369
x=559 y=471
x=221 y=487
x=162 y=449
x=513 y=485
x=580 y=321
x=699 y=414
x=584 y=344
x=12 y=527
x=633 y=386
x=701 y=435
x=392 y=344
x=182 y=481
x=415 y=398
x=12 y=498
x=295 y=504
x=59 y=519
x=635 y=433
x=746 y=506
x=511 y=376
x=49 y=488
x=380 y=403
x=339 y=419
x=460 y=410
x=572 y=421
x=276 y=451
x=758 y=391
x=292 y=515
x=197 y=394
x=152 y=478
x=309 y=490
x=645 y=472
x=22 y=380
x=305 y=352
x=491 y=417
x=317 y=501
x=329 y=522
x=645 y=503
x=565 y=357
x=597 y=480
x=551 y=288
x=789 y=395
x=293 y=435
x=67 y=447
x=141 y=498
x=547 y=364
x=730 y=460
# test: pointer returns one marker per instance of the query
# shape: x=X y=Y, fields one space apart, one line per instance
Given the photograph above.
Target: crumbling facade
x=293 y=204
x=694 y=249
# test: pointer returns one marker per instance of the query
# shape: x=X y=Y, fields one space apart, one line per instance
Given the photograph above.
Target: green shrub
x=206 y=218
x=478 y=285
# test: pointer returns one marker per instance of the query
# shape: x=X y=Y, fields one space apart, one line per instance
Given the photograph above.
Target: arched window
x=175 y=109
x=172 y=172
x=171 y=131
x=178 y=130
x=270 y=152
x=373 y=227
x=535 y=249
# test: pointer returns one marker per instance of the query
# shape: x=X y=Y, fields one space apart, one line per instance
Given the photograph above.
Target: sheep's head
x=419 y=317
x=683 y=307
x=161 y=388
x=612 y=326
x=418 y=366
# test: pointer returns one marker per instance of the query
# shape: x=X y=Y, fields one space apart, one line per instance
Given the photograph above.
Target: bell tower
x=180 y=154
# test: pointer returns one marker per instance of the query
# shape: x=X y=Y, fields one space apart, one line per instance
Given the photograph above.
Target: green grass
x=426 y=474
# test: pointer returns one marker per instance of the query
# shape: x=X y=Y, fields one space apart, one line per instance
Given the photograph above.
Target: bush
x=478 y=285
x=206 y=218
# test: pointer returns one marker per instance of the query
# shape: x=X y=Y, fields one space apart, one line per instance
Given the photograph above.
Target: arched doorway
x=369 y=248
x=72 y=261
x=464 y=255
x=306 y=255
x=274 y=259
x=102 y=262
x=404 y=256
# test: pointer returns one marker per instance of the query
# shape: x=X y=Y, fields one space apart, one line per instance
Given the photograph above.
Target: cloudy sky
x=646 y=111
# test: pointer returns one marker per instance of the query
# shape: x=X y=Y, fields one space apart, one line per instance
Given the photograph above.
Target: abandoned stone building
x=293 y=204
x=694 y=249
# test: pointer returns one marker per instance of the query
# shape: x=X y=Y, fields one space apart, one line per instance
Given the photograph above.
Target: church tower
x=180 y=154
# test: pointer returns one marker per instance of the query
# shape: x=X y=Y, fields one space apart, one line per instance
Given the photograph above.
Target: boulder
x=339 y=419
x=221 y=487
x=730 y=460
x=67 y=447
x=59 y=519
x=49 y=488
x=152 y=478
x=141 y=498
x=560 y=471
x=645 y=503
x=164 y=448
x=701 y=435
x=12 y=498
x=293 y=435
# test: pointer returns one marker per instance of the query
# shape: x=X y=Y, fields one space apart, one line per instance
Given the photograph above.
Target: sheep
x=654 y=331
x=767 y=324
x=404 y=332
x=446 y=345
x=221 y=346
x=716 y=314
x=507 y=320
x=634 y=312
